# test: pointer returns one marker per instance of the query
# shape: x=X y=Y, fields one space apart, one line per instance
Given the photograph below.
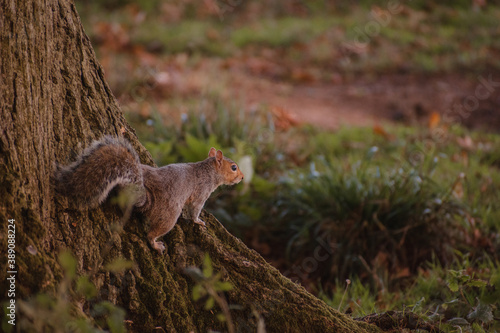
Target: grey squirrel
x=162 y=192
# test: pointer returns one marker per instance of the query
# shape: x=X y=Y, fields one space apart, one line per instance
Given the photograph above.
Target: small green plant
x=357 y=298
x=376 y=215
x=208 y=123
x=376 y=206
x=61 y=310
x=210 y=287
x=476 y=298
x=385 y=203
x=465 y=296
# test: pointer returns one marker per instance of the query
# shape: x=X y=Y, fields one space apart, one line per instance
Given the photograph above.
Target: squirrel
x=162 y=193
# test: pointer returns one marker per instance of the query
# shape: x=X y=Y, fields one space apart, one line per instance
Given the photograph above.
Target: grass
x=286 y=31
x=368 y=211
x=387 y=203
x=411 y=220
x=192 y=36
x=443 y=39
x=456 y=296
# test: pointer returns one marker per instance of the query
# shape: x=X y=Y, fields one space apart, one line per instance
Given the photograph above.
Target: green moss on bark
x=57 y=94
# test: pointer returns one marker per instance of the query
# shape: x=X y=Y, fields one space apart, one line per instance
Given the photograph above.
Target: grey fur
x=162 y=192
x=89 y=179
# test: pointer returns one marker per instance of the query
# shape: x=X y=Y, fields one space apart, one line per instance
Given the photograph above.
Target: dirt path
x=358 y=101
x=365 y=102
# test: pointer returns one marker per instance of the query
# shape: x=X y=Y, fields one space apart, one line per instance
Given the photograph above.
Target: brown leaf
x=465 y=157
x=434 y=120
x=458 y=188
x=403 y=272
x=379 y=130
x=283 y=119
x=381 y=259
x=302 y=75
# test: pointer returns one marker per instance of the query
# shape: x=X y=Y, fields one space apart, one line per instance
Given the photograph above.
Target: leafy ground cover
x=407 y=212
x=361 y=64
x=410 y=220
x=376 y=36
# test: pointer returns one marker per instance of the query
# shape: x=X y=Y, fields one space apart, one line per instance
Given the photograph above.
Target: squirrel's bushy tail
x=107 y=163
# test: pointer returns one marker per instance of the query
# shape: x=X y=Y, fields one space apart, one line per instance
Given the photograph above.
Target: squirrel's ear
x=212 y=152
x=218 y=157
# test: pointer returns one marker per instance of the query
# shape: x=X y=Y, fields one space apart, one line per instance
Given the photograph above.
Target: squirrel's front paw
x=200 y=222
x=158 y=246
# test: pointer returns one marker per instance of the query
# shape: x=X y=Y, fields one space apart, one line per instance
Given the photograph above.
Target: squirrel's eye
x=234 y=167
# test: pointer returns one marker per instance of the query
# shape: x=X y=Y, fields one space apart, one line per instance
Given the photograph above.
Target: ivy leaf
x=210 y=303
x=477 y=283
x=198 y=292
x=119 y=265
x=481 y=313
x=85 y=287
x=68 y=262
x=208 y=270
x=223 y=286
x=453 y=285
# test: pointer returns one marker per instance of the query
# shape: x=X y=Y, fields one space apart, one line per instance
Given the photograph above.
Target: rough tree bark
x=55 y=101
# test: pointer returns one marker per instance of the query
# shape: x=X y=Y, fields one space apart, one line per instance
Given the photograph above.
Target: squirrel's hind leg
x=159 y=228
x=158 y=246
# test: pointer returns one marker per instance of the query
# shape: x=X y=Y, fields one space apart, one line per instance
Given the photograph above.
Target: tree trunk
x=54 y=102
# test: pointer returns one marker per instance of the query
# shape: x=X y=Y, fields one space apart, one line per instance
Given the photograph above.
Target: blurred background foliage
x=408 y=211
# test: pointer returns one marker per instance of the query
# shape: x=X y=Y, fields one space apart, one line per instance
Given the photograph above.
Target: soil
x=367 y=101
x=360 y=100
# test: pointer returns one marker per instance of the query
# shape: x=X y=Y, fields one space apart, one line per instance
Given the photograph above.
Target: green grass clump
x=193 y=36
x=282 y=32
x=465 y=294
x=208 y=123
x=372 y=214
x=372 y=206
x=434 y=38
x=385 y=205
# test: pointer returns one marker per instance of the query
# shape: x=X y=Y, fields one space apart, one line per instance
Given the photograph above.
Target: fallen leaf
x=381 y=259
x=404 y=272
x=434 y=120
x=379 y=130
x=302 y=75
x=283 y=119
x=465 y=157
x=458 y=188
